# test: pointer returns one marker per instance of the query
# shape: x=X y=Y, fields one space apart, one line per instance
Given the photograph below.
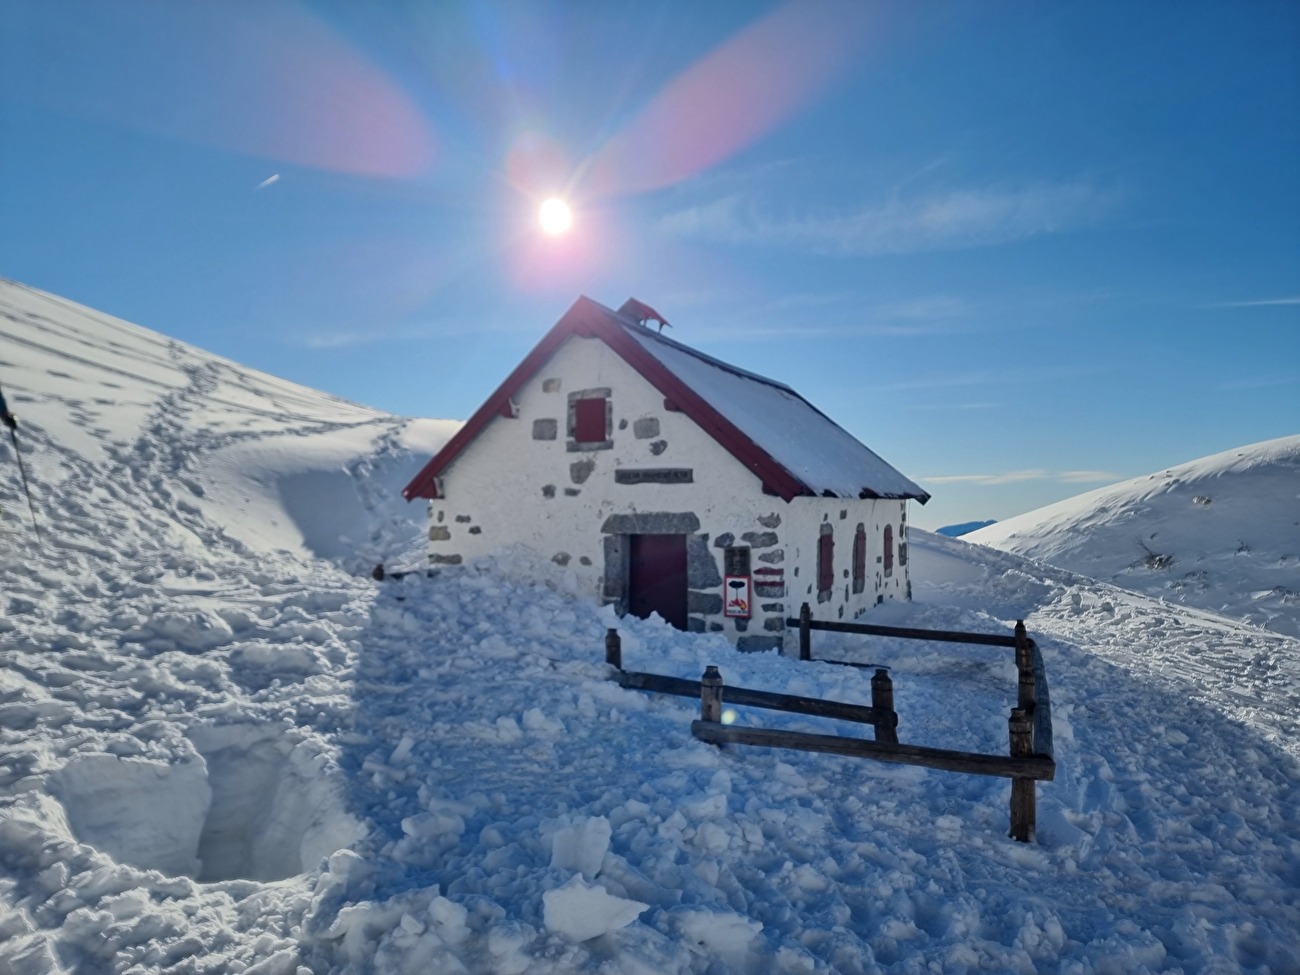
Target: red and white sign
x=739 y=601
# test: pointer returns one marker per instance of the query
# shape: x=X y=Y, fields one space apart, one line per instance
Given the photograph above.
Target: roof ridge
x=638 y=328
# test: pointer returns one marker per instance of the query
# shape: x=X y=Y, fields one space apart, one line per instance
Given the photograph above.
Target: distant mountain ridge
x=1221 y=533
x=965 y=528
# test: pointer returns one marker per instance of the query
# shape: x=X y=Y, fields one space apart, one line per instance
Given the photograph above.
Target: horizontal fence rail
x=1031 y=757
x=1033 y=767
x=746 y=697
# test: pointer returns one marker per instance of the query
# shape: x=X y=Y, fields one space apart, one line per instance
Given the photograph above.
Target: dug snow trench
x=250 y=804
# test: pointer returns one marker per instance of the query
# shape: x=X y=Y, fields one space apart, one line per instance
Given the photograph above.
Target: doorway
x=657 y=577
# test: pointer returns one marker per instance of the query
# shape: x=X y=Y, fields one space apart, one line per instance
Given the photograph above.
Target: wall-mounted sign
x=654 y=475
x=737 y=598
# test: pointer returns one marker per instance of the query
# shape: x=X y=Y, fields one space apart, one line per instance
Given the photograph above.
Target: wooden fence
x=1031 y=756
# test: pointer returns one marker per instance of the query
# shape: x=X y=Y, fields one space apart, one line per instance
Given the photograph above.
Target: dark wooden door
x=657 y=577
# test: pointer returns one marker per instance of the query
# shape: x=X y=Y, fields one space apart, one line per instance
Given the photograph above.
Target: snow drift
x=225 y=749
x=1221 y=533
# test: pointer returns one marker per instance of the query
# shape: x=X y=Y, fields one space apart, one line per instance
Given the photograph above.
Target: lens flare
x=555 y=217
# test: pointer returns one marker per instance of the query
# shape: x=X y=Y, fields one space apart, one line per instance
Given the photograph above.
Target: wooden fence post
x=1028 y=690
x=882 y=700
x=711 y=695
x=805 y=632
x=613 y=649
x=1024 y=797
x=1024 y=652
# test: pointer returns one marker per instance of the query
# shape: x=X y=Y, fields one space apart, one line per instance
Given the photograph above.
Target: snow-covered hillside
x=1221 y=533
x=224 y=748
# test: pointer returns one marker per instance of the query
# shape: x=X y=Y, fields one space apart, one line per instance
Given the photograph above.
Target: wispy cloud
x=1257 y=303
x=1260 y=382
x=939 y=220
x=344 y=338
x=1034 y=474
x=273 y=178
x=957 y=406
x=838 y=314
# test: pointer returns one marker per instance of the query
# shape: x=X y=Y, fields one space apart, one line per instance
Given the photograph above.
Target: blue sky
x=1020 y=249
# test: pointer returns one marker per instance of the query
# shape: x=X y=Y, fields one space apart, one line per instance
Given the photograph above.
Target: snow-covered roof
x=794 y=448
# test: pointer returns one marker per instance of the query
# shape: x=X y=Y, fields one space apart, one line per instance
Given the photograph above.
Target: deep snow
x=225 y=748
x=1220 y=533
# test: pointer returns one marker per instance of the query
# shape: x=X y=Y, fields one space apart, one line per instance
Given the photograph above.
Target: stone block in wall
x=704 y=603
x=753 y=644
x=658 y=447
x=770 y=521
x=436 y=559
x=760 y=539
x=701 y=569
x=696 y=625
x=774 y=623
x=646 y=428
x=769 y=590
x=774 y=556
x=580 y=470
x=439 y=533
x=652 y=523
x=725 y=540
x=546 y=429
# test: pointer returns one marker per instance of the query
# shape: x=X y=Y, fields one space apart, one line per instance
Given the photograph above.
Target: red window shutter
x=825 y=562
x=859 y=559
x=889 y=549
x=589 y=420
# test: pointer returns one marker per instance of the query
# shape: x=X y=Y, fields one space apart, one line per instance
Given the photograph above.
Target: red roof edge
x=424 y=485
x=592 y=320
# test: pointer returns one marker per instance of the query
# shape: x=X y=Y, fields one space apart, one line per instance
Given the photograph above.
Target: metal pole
x=22 y=470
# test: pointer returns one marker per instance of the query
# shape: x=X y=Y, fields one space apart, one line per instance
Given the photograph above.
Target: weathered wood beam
x=938 y=636
x=1033 y=767
x=1042 y=708
x=744 y=696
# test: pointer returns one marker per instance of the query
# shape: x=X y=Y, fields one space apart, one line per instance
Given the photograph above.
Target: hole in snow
x=252 y=805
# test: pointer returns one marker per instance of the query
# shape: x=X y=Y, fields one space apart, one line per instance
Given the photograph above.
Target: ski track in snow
x=218 y=755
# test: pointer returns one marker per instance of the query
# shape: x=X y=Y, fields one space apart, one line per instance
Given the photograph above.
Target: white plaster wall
x=807 y=515
x=508 y=488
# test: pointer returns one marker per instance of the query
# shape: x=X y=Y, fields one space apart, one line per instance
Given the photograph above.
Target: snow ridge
x=1221 y=533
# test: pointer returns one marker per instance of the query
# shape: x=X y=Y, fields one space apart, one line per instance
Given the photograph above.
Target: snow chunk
x=581 y=847
x=579 y=911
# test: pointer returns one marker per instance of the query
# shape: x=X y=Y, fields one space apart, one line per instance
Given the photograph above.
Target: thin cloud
x=1260 y=382
x=956 y=406
x=352 y=338
x=1257 y=303
x=273 y=178
x=951 y=220
x=1034 y=474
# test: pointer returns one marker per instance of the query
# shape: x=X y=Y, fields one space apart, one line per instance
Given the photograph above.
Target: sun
x=555 y=216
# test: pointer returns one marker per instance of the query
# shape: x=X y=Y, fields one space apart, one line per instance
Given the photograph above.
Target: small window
x=889 y=550
x=860 y=558
x=825 y=564
x=589 y=420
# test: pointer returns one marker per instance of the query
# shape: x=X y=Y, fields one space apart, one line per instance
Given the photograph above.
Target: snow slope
x=225 y=749
x=1221 y=533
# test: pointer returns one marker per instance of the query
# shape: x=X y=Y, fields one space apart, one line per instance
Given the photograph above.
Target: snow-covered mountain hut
x=667 y=481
